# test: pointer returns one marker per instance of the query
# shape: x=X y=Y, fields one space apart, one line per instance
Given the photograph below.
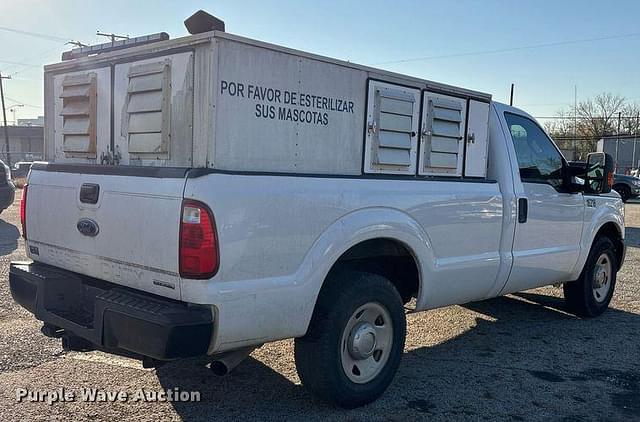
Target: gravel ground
x=519 y=357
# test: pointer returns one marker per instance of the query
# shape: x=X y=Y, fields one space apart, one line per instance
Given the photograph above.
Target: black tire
x=579 y=294
x=318 y=354
x=623 y=191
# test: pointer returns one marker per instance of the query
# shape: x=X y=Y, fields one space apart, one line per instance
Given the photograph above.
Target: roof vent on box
x=201 y=22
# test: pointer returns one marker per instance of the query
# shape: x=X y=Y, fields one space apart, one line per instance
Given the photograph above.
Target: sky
x=546 y=48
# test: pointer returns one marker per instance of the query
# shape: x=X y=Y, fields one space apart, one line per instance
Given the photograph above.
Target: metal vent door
x=441 y=141
x=80 y=116
x=477 y=140
x=392 y=125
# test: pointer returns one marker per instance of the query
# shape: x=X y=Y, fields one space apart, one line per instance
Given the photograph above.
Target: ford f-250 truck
x=208 y=194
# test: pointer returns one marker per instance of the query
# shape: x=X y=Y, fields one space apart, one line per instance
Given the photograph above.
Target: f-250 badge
x=591 y=203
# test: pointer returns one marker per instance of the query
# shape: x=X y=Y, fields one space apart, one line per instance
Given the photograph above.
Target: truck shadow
x=523 y=358
x=9 y=235
x=632 y=237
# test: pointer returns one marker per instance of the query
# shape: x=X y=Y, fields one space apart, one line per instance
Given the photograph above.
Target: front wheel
x=355 y=341
x=591 y=293
x=624 y=192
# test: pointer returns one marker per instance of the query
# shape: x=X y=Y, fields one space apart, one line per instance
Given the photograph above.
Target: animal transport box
x=225 y=102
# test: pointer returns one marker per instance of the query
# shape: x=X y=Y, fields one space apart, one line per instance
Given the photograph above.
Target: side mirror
x=599 y=173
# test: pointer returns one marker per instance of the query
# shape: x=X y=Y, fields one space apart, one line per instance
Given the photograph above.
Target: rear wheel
x=591 y=293
x=355 y=340
x=623 y=191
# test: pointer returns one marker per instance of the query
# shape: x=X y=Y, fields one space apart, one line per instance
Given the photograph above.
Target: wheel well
x=386 y=257
x=611 y=231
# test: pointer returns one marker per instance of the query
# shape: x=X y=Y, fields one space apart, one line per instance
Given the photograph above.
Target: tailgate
x=129 y=236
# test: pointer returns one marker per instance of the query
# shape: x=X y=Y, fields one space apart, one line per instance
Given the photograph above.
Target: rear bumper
x=111 y=317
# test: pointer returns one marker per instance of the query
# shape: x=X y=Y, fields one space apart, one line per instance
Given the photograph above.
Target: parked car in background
x=7 y=188
x=21 y=169
x=20 y=172
x=627 y=186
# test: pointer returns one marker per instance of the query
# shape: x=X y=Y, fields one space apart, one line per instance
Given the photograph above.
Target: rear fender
x=360 y=226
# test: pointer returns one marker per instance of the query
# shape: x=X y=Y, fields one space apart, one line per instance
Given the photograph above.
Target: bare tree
x=596 y=117
x=631 y=123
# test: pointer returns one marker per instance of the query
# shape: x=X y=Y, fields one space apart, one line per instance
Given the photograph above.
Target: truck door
x=546 y=242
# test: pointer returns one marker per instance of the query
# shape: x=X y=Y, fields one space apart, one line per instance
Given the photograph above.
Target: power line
x=34 y=34
x=543 y=105
x=509 y=49
x=21 y=102
x=22 y=65
x=19 y=63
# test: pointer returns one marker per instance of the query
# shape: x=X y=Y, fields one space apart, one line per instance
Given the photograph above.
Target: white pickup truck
x=208 y=194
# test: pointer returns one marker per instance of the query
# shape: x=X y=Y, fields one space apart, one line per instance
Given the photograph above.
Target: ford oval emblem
x=88 y=227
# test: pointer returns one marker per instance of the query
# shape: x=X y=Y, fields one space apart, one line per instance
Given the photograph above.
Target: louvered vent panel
x=443 y=136
x=396 y=123
x=392 y=125
x=148 y=107
x=79 y=115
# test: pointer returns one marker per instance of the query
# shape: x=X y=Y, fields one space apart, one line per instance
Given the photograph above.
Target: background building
x=625 y=151
x=38 y=121
x=26 y=143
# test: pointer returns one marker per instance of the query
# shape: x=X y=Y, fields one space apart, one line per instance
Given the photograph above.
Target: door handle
x=523 y=210
x=89 y=193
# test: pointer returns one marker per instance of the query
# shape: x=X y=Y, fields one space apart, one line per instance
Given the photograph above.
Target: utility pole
x=511 y=96
x=4 y=115
x=634 y=165
x=575 y=121
x=618 y=140
x=112 y=37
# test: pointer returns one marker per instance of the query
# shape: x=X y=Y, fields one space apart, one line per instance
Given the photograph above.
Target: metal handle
x=425 y=131
x=372 y=127
x=523 y=210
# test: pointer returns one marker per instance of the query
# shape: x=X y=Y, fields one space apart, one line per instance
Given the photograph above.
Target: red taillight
x=198 y=241
x=23 y=211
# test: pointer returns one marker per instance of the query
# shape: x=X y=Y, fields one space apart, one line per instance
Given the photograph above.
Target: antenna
x=77 y=43
x=113 y=37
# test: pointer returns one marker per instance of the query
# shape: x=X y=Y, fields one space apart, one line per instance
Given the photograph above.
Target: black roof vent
x=201 y=22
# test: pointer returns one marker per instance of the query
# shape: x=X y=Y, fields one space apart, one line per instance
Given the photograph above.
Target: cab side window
x=538 y=159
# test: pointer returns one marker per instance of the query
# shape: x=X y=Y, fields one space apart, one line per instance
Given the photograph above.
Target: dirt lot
x=518 y=357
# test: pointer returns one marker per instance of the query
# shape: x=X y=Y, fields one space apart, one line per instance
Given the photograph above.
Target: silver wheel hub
x=362 y=341
x=367 y=339
x=602 y=278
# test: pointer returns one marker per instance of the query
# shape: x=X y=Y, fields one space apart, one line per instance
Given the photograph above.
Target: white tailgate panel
x=138 y=219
